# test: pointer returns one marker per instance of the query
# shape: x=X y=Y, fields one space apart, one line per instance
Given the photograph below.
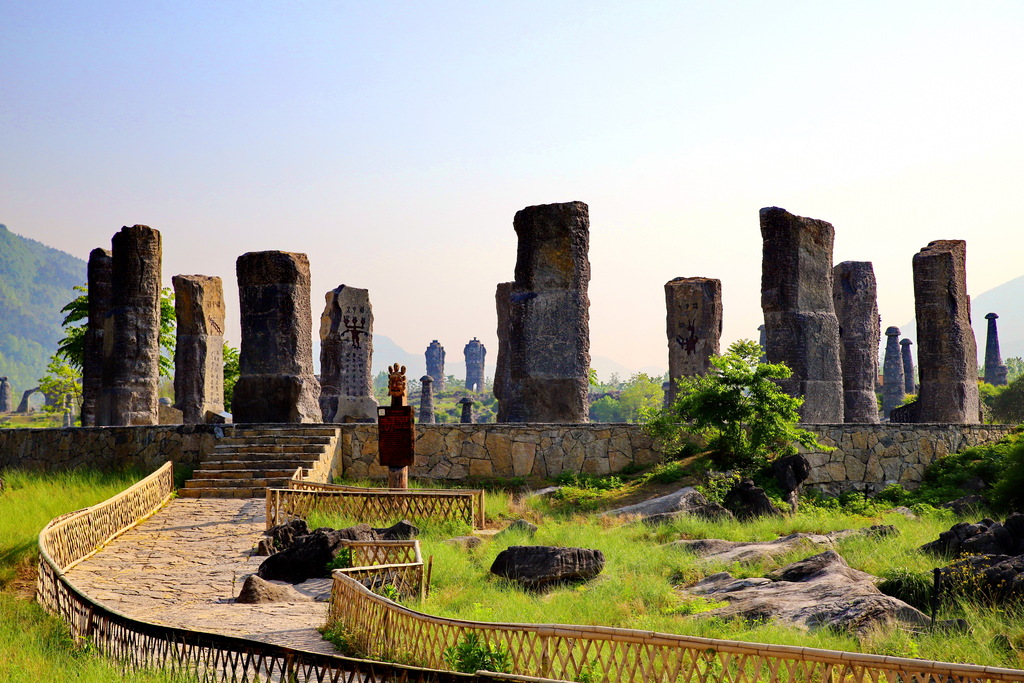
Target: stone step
x=289 y=430
x=255 y=482
x=255 y=464
x=283 y=440
x=298 y=448
x=263 y=457
x=246 y=475
x=222 y=493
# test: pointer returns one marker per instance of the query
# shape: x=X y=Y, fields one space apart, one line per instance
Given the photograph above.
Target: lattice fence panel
x=376 y=506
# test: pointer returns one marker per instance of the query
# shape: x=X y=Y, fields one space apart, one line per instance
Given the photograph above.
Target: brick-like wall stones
x=276 y=382
x=893 y=383
x=435 y=364
x=6 y=396
x=475 y=353
x=947 y=355
x=426 y=412
x=199 y=349
x=346 y=357
x=855 y=297
x=693 y=324
x=131 y=331
x=98 y=283
x=547 y=336
x=801 y=328
x=995 y=372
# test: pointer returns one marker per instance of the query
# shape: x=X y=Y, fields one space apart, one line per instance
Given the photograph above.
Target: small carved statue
x=396 y=384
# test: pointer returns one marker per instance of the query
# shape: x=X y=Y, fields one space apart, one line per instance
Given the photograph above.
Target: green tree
x=62 y=385
x=605 y=409
x=737 y=409
x=1014 y=368
x=1007 y=403
x=641 y=394
x=231 y=374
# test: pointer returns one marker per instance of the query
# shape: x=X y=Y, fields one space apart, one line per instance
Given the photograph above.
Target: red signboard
x=396 y=436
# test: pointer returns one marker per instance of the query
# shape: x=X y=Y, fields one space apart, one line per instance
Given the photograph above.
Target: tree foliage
x=737 y=409
x=1007 y=403
x=231 y=374
x=62 y=385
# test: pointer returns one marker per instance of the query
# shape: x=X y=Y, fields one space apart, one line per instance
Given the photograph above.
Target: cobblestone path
x=183 y=566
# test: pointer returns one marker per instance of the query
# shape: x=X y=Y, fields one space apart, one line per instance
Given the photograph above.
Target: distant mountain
x=36 y=281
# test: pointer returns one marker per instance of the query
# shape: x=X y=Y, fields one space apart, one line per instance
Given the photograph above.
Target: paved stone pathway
x=183 y=566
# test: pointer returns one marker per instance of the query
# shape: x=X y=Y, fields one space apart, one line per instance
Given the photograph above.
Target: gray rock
x=855 y=297
x=519 y=526
x=257 y=591
x=199 y=348
x=694 y=326
x=746 y=500
x=727 y=552
x=346 y=357
x=539 y=567
x=819 y=591
x=966 y=505
x=466 y=542
x=685 y=501
x=987 y=537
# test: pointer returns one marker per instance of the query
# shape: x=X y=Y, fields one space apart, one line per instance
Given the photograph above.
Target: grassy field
x=33 y=646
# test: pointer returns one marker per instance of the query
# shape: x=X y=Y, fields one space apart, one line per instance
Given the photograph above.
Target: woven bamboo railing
x=375 y=506
x=398 y=564
x=383 y=629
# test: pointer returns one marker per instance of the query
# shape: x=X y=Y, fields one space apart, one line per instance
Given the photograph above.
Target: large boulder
x=283 y=535
x=685 y=501
x=746 y=500
x=727 y=552
x=819 y=591
x=306 y=558
x=256 y=591
x=987 y=537
x=537 y=567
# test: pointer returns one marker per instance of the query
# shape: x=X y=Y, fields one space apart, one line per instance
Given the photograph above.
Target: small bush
x=343 y=560
x=473 y=654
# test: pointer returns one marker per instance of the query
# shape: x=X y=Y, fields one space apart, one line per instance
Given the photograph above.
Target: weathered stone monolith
x=426 y=415
x=98 y=283
x=131 y=331
x=346 y=357
x=467 y=410
x=995 y=372
x=947 y=360
x=199 y=349
x=854 y=295
x=762 y=341
x=6 y=396
x=544 y=319
x=694 y=326
x=801 y=328
x=475 y=354
x=435 y=364
x=893 y=383
x=909 y=383
x=276 y=382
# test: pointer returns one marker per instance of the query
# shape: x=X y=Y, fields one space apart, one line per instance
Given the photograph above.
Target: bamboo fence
x=375 y=506
x=380 y=628
x=378 y=564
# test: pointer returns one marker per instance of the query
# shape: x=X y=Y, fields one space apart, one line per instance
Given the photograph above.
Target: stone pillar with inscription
x=396 y=434
x=909 y=383
x=893 y=382
x=6 y=396
x=475 y=353
x=199 y=350
x=995 y=372
x=435 y=364
x=544 y=319
x=693 y=325
x=98 y=284
x=855 y=297
x=947 y=354
x=467 y=410
x=426 y=415
x=131 y=331
x=346 y=357
x=801 y=328
x=276 y=382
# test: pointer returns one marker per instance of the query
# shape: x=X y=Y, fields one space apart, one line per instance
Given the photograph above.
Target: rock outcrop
x=539 y=567
x=685 y=501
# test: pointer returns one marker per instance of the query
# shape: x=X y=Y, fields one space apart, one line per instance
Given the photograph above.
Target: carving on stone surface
x=354 y=328
x=396 y=384
x=689 y=343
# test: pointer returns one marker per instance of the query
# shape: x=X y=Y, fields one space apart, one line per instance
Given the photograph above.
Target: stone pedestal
x=199 y=350
x=995 y=372
x=435 y=364
x=467 y=410
x=946 y=350
x=426 y=414
x=131 y=331
x=346 y=357
x=6 y=396
x=544 y=320
x=694 y=326
x=276 y=382
x=475 y=353
x=99 y=281
x=801 y=329
x=909 y=382
x=893 y=383
x=854 y=295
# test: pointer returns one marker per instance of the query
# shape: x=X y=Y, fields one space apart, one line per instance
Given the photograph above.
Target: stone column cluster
x=544 y=319
x=475 y=353
x=199 y=349
x=693 y=325
x=435 y=364
x=346 y=357
x=855 y=298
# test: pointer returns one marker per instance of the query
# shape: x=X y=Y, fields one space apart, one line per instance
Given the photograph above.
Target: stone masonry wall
x=868 y=457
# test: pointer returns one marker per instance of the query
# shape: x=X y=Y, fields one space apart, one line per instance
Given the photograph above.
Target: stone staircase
x=249 y=460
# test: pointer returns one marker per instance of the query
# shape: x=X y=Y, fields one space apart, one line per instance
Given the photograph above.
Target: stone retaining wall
x=868 y=457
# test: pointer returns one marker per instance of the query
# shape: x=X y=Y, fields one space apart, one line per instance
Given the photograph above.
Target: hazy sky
x=394 y=141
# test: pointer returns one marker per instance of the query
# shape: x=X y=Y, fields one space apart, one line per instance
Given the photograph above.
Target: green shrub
x=1008 y=491
x=473 y=654
x=913 y=588
x=343 y=560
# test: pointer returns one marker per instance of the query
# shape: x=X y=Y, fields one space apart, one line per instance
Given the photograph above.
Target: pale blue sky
x=394 y=141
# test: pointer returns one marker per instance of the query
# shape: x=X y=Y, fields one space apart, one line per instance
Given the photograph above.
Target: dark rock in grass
x=987 y=537
x=728 y=552
x=818 y=591
x=791 y=471
x=537 y=567
x=256 y=591
x=466 y=542
x=966 y=504
x=519 y=526
x=283 y=535
x=746 y=500
x=685 y=501
x=401 y=531
x=996 y=578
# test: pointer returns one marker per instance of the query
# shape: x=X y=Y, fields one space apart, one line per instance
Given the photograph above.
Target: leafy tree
x=231 y=374
x=737 y=409
x=641 y=394
x=1014 y=367
x=62 y=385
x=605 y=409
x=1007 y=403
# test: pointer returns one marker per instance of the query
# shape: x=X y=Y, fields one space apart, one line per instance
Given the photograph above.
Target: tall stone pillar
x=98 y=285
x=276 y=382
x=503 y=389
x=762 y=341
x=801 y=328
x=947 y=360
x=475 y=352
x=6 y=396
x=893 y=382
x=909 y=383
x=131 y=331
x=346 y=357
x=435 y=364
x=426 y=415
x=547 y=311
x=199 y=349
x=995 y=372
x=694 y=326
x=467 y=410
x=854 y=295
